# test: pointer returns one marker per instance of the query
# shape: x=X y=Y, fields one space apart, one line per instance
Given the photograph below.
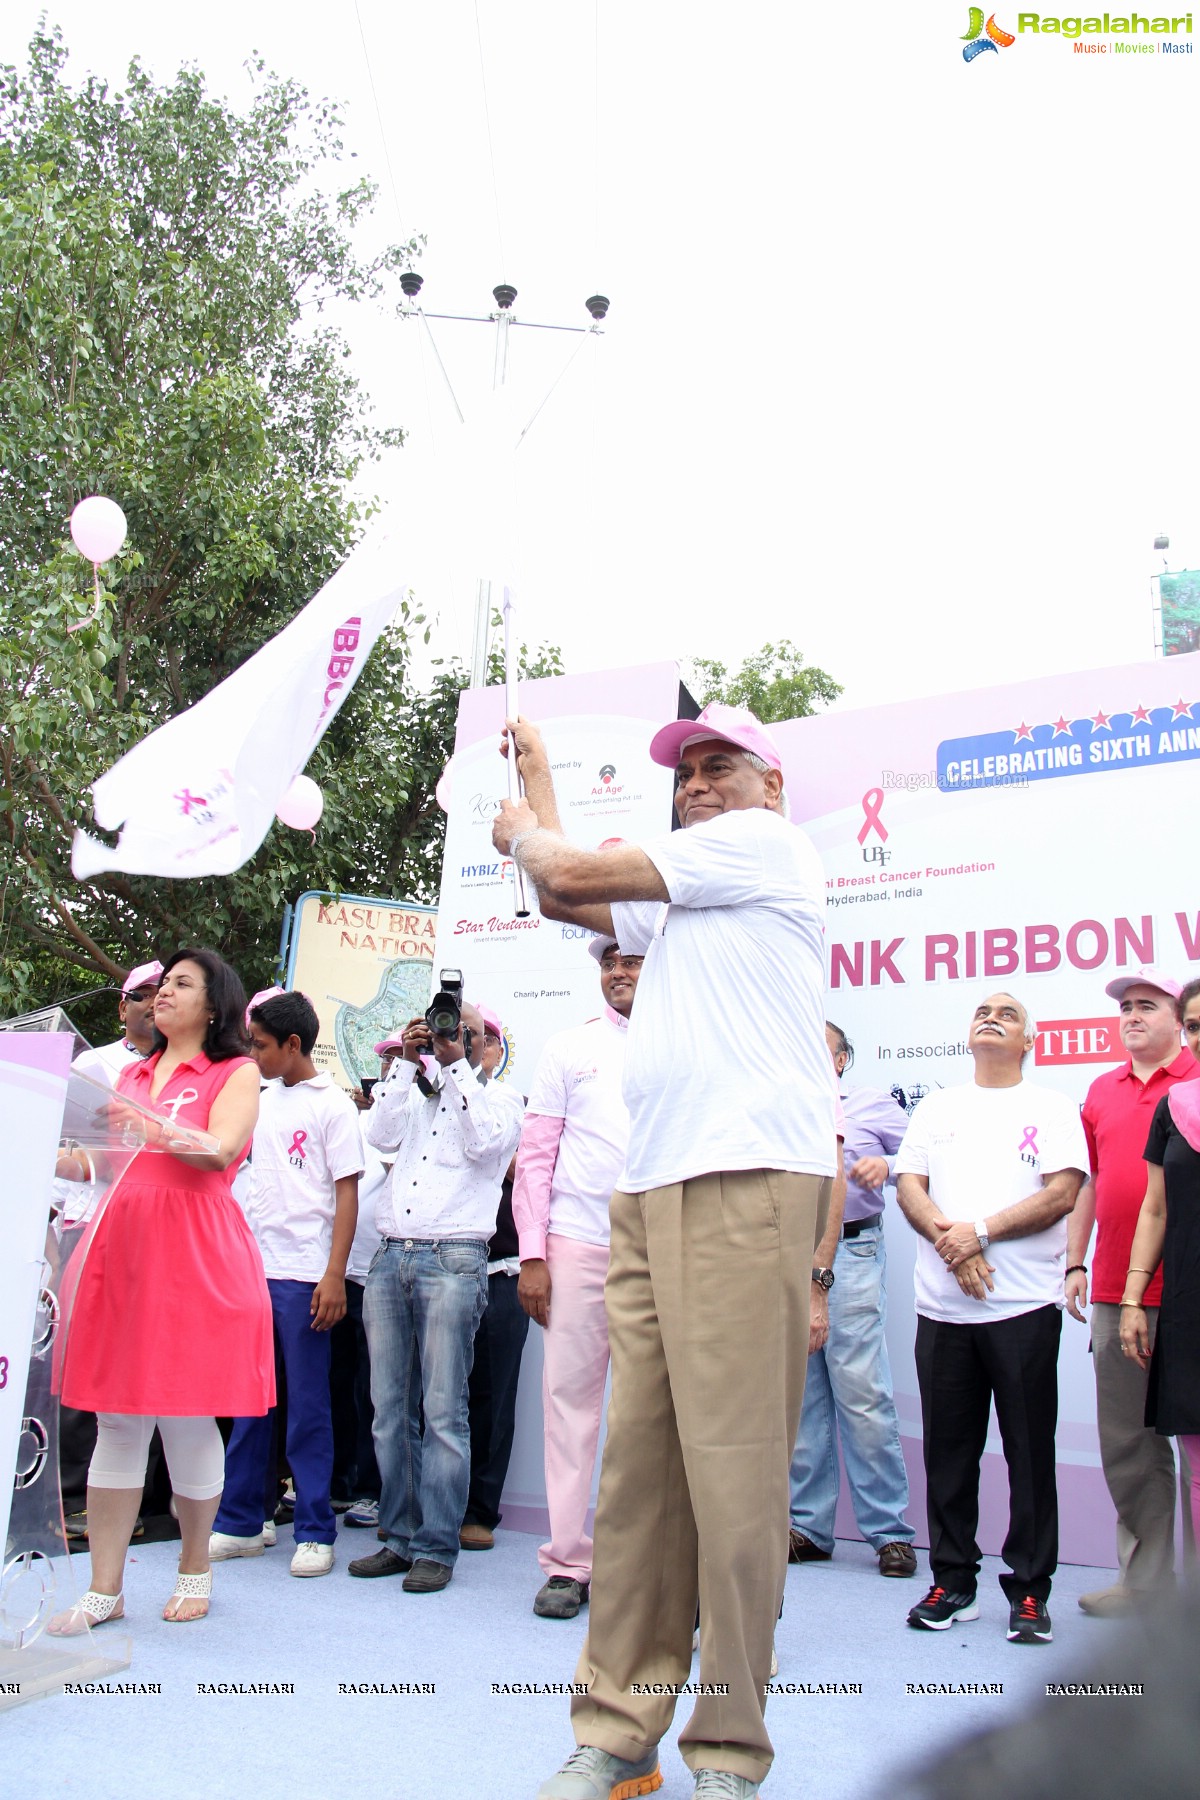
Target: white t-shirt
x=307 y=1138
x=371 y=1189
x=984 y=1149
x=727 y=1065
x=578 y=1080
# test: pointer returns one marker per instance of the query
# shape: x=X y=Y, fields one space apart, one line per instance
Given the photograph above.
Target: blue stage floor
x=841 y=1624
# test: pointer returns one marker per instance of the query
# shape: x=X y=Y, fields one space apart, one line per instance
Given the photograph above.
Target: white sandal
x=189 y=1587
x=93 y=1609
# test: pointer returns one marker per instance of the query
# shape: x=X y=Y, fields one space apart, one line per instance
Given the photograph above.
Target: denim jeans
x=423 y=1303
x=849 y=1395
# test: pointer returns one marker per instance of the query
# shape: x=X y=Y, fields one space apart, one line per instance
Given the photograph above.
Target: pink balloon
x=98 y=528
x=302 y=804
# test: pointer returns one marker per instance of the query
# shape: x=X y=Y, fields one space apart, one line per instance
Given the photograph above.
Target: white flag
x=198 y=795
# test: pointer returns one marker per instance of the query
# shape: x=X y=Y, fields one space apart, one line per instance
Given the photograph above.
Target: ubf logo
x=980 y=37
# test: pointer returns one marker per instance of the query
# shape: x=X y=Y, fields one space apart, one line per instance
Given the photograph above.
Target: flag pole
x=516 y=786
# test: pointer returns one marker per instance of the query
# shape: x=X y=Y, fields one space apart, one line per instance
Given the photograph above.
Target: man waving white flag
x=197 y=796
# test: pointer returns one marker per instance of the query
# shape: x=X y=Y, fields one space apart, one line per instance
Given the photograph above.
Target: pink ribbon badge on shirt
x=1029 y=1141
x=186 y=1097
x=296 y=1151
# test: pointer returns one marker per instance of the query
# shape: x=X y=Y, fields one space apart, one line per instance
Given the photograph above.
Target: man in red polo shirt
x=1138 y=1464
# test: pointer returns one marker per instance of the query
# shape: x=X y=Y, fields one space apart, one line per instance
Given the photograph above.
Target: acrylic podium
x=50 y=1119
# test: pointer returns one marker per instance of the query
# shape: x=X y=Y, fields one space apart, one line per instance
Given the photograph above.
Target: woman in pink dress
x=169 y=1320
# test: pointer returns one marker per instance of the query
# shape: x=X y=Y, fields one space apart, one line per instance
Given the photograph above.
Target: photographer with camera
x=453 y=1134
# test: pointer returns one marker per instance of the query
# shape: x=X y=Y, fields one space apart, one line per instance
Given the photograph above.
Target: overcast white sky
x=902 y=355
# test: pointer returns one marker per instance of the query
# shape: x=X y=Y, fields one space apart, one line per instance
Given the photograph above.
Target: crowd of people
x=691 y=1200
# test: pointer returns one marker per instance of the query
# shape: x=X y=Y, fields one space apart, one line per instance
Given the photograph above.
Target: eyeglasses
x=610 y=963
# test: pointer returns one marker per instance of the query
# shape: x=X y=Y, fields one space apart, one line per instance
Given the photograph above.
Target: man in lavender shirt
x=849 y=1389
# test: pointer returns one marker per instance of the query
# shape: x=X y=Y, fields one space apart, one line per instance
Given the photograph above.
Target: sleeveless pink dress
x=165 y=1301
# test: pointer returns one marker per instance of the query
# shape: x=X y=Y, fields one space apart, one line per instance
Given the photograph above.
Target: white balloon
x=302 y=805
x=98 y=528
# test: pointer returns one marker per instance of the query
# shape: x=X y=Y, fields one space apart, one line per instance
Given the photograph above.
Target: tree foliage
x=774 y=684
x=164 y=266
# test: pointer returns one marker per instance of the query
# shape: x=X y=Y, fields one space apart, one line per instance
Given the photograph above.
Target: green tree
x=774 y=684
x=164 y=266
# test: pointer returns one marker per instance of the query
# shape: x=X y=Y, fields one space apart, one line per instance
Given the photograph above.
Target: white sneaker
x=269 y=1533
x=222 y=1546
x=312 y=1559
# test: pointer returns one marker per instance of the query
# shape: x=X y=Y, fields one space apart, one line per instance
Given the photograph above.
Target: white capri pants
x=195 y=1453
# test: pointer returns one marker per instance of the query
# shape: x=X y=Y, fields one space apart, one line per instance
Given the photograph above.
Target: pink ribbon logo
x=872 y=804
x=187 y=800
x=185 y=1097
x=296 y=1147
x=1029 y=1141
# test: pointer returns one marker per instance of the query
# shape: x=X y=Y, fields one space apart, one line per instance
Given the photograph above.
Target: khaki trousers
x=708 y=1299
x=1139 y=1466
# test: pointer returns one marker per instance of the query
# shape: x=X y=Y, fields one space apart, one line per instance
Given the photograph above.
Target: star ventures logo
x=974 y=42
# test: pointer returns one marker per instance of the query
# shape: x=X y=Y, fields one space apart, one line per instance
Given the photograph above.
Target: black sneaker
x=1029 y=1622
x=939 y=1610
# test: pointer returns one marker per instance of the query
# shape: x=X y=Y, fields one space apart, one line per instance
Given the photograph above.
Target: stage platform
x=198 y=1738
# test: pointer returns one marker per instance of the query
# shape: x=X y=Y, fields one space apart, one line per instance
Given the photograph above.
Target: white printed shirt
x=307 y=1139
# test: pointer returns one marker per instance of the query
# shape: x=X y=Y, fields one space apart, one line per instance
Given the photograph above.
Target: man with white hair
x=714 y=1223
x=988 y=1172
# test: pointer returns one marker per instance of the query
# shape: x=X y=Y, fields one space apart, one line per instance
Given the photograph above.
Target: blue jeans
x=423 y=1303
x=249 y=1494
x=848 y=1394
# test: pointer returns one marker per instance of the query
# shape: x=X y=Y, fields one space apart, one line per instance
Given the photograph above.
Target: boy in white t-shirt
x=302 y=1208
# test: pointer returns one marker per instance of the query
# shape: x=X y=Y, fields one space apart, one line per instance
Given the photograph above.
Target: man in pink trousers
x=571 y=1153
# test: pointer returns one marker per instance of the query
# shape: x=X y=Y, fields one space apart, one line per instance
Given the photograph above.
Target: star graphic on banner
x=1100 y=721
x=1023 y=731
x=1140 y=717
x=1061 y=727
x=1181 y=709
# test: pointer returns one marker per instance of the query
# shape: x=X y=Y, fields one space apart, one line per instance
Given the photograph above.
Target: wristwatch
x=980 y=1229
x=823 y=1278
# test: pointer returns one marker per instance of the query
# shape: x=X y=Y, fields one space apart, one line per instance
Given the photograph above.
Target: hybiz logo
x=980 y=37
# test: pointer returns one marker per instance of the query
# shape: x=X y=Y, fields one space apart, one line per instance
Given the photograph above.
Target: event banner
x=367 y=966
x=1180 y=597
x=1032 y=838
x=535 y=973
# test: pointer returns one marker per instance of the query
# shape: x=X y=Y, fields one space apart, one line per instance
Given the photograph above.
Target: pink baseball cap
x=270 y=993
x=1117 y=990
x=145 y=975
x=389 y=1043
x=599 y=946
x=490 y=1021
x=731 y=724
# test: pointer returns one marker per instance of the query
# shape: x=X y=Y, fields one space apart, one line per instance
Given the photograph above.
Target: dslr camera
x=443 y=1015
